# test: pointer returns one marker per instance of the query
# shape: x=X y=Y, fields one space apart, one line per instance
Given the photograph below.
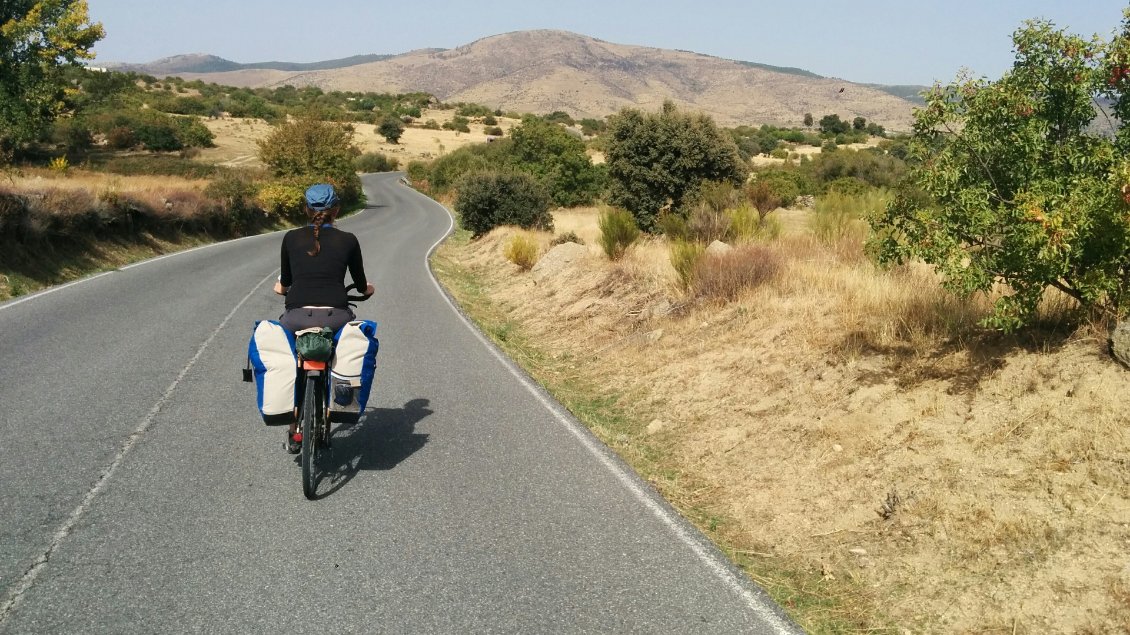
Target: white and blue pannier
x=270 y=353
x=352 y=370
x=274 y=365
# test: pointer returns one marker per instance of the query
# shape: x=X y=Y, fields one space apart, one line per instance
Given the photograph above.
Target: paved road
x=141 y=493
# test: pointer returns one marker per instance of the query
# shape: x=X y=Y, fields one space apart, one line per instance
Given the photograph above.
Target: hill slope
x=200 y=63
x=544 y=71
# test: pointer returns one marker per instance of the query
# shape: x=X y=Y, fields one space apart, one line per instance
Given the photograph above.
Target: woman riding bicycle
x=314 y=261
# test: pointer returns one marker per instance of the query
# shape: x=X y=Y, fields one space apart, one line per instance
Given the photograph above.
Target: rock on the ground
x=557 y=259
x=718 y=248
x=1120 y=343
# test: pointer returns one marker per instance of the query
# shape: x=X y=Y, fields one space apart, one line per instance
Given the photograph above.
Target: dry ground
x=235 y=139
x=823 y=424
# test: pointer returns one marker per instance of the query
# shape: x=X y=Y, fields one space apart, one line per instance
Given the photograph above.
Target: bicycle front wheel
x=311 y=411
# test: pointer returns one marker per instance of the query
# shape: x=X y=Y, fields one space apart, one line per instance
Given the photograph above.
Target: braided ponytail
x=317 y=220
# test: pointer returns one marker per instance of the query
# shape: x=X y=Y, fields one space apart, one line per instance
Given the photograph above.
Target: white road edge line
x=720 y=569
x=68 y=526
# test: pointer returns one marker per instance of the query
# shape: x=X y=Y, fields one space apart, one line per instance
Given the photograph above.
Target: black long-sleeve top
x=320 y=280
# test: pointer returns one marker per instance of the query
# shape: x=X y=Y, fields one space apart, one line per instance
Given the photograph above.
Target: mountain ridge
x=546 y=70
x=207 y=63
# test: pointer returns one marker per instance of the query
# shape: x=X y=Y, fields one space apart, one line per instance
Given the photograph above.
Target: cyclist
x=314 y=261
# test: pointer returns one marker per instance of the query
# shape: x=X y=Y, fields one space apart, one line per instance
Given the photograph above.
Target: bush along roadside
x=51 y=234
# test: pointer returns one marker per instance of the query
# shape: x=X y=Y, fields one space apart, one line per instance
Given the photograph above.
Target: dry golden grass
x=522 y=250
x=235 y=139
x=76 y=179
x=852 y=433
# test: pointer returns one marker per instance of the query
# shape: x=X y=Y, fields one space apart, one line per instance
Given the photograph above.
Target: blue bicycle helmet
x=321 y=197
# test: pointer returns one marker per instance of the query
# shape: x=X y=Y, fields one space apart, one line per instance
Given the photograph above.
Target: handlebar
x=355 y=298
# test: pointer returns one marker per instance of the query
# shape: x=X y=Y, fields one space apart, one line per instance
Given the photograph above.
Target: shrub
x=59 y=164
x=685 y=255
x=494 y=131
x=121 y=138
x=559 y=117
x=838 y=216
x=158 y=136
x=376 y=162
x=473 y=110
x=567 y=237
x=488 y=199
x=717 y=195
x=431 y=124
x=672 y=225
x=724 y=277
x=73 y=134
x=522 y=251
x=617 y=232
x=314 y=151
x=849 y=185
x=446 y=171
x=592 y=127
x=771 y=190
x=747 y=223
x=192 y=133
x=458 y=123
x=284 y=199
x=391 y=129
x=707 y=224
x=417 y=171
x=235 y=191
x=489 y=120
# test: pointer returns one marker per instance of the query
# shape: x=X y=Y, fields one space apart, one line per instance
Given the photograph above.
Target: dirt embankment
x=868 y=475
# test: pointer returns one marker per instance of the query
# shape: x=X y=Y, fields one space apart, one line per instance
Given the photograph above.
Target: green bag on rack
x=316 y=345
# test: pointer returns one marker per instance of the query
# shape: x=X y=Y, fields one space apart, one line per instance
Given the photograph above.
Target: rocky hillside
x=544 y=71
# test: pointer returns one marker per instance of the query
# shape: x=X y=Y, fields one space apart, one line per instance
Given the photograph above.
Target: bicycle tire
x=310 y=410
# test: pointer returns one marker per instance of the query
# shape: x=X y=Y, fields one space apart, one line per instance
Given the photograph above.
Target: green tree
x=560 y=116
x=1011 y=188
x=558 y=159
x=833 y=125
x=391 y=129
x=38 y=40
x=859 y=123
x=312 y=150
x=657 y=160
x=807 y=120
x=592 y=127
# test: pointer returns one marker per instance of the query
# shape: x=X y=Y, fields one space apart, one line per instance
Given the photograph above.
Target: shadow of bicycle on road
x=379 y=441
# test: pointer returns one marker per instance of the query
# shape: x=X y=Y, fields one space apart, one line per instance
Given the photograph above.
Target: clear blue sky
x=880 y=41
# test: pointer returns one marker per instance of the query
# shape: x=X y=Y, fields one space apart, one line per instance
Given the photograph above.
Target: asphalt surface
x=141 y=492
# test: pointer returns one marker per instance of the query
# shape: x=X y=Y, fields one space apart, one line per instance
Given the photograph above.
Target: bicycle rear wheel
x=311 y=413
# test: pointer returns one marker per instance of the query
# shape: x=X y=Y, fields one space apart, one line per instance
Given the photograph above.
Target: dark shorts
x=305 y=318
